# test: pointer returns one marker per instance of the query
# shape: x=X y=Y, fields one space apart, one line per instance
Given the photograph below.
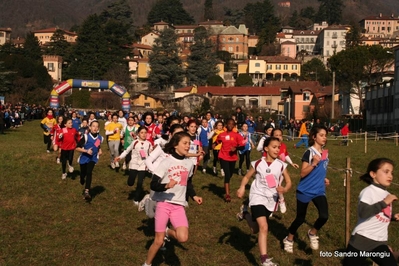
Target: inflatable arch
x=93 y=84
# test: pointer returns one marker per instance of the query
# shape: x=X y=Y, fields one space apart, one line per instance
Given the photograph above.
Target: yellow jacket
x=303 y=130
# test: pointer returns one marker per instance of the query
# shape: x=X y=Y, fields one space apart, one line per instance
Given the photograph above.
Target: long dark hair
x=313 y=133
x=268 y=140
x=174 y=141
x=373 y=166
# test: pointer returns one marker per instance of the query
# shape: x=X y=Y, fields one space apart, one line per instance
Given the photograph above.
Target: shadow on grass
x=302 y=262
x=97 y=190
x=241 y=241
x=148 y=227
x=168 y=255
x=218 y=191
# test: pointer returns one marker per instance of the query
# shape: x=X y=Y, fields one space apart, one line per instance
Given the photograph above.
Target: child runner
x=269 y=172
x=231 y=142
x=374 y=213
x=75 y=121
x=304 y=135
x=311 y=187
x=153 y=131
x=169 y=182
x=90 y=149
x=140 y=149
x=56 y=131
x=84 y=127
x=47 y=124
x=217 y=130
x=68 y=139
x=196 y=152
x=246 y=152
x=113 y=131
x=268 y=132
x=128 y=134
x=204 y=134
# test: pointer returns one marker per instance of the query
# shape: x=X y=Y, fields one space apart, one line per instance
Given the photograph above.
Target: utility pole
x=333 y=96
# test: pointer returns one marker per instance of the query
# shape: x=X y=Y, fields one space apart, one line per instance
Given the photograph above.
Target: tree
x=5 y=80
x=260 y=17
x=202 y=60
x=215 y=80
x=165 y=63
x=354 y=35
x=315 y=70
x=208 y=10
x=330 y=11
x=379 y=60
x=58 y=45
x=170 y=11
x=233 y=16
x=226 y=58
x=32 y=47
x=244 y=80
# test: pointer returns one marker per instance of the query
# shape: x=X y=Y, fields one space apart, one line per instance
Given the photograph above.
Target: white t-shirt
x=178 y=170
x=261 y=193
x=376 y=226
x=140 y=151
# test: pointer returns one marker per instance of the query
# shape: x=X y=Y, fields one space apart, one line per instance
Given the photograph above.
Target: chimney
x=380 y=15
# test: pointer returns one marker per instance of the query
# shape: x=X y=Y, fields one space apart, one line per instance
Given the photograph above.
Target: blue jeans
x=303 y=140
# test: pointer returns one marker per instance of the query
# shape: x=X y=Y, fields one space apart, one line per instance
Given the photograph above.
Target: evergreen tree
x=353 y=36
x=208 y=10
x=260 y=17
x=58 y=45
x=5 y=79
x=330 y=11
x=32 y=48
x=165 y=63
x=170 y=11
x=233 y=16
x=202 y=60
x=244 y=80
x=316 y=70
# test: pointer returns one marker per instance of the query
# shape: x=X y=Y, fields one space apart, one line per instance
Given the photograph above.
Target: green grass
x=45 y=221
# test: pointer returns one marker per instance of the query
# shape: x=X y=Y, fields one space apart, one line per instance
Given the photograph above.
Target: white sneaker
x=239 y=172
x=70 y=169
x=64 y=176
x=243 y=210
x=48 y=151
x=283 y=207
x=269 y=262
x=117 y=164
x=204 y=171
x=112 y=165
x=141 y=205
x=314 y=241
x=58 y=161
x=215 y=171
x=124 y=166
x=222 y=172
x=136 y=203
x=288 y=245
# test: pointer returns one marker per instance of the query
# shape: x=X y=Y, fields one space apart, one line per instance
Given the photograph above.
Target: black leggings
x=47 y=141
x=301 y=208
x=86 y=171
x=383 y=260
x=228 y=168
x=247 y=156
x=66 y=155
x=215 y=157
x=140 y=180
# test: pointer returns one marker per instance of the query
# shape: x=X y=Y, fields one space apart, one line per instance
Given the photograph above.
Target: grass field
x=45 y=221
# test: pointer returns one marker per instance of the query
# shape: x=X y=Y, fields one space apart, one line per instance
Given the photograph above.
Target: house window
x=268 y=102
x=306 y=96
x=270 y=67
x=237 y=49
x=237 y=39
x=240 y=102
x=145 y=97
x=278 y=67
x=50 y=67
x=230 y=49
x=285 y=67
x=294 y=67
x=257 y=64
x=147 y=105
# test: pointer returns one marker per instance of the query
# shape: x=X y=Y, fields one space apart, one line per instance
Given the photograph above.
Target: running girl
x=311 y=187
x=128 y=134
x=195 y=153
x=153 y=131
x=269 y=173
x=68 y=139
x=374 y=214
x=204 y=134
x=140 y=149
x=56 y=131
x=90 y=149
x=246 y=152
x=113 y=131
x=47 y=125
x=217 y=130
x=169 y=182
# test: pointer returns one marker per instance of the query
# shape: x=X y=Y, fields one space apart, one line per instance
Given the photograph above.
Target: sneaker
x=112 y=165
x=204 y=171
x=136 y=203
x=48 y=151
x=64 y=176
x=215 y=171
x=314 y=241
x=288 y=245
x=283 y=207
x=117 y=164
x=141 y=205
x=124 y=166
x=222 y=172
x=70 y=169
x=269 y=262
x=239 y=172
x=58 y=160
x=87 y=195
x=241 y=214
